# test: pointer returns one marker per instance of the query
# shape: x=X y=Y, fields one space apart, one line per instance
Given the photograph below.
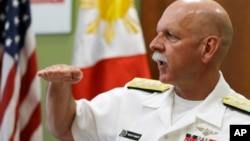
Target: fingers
x=61 y=73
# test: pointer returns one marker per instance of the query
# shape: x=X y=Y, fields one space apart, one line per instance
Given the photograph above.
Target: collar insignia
x=206 y=131
x=148 y=85
x=238 y=103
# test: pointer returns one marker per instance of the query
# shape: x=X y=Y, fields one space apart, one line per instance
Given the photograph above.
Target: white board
x=51 y=16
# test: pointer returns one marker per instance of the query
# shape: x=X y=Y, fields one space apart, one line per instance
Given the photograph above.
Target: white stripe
x=9 y=116
x=27 y=50
x=7 y=63
x=30 y=41
x=17 y=135
x=37 y=135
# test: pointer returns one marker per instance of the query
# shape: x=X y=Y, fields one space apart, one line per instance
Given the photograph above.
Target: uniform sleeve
x=97 y=118
x=84 y=126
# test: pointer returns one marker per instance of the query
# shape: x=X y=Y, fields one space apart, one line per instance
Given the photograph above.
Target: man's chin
x=164 y=79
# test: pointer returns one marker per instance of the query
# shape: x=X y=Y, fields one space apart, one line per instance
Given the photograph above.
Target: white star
x=17 y=39
x=7 y=25
x=16 y=56
x=8 y=42
x=15 y=3
x=16 y=20
x=25 y=18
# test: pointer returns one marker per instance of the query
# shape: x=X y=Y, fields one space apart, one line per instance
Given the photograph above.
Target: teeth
x=159 y=57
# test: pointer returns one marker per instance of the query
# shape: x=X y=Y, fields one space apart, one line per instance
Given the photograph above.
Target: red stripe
x=110 y=73
x=7 y=92
x=28 y=76
x=34 y=122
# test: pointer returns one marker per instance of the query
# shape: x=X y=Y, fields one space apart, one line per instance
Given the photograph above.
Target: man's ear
x=211 y=46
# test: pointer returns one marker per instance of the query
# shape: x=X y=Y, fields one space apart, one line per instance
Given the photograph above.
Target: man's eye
x=171 y=37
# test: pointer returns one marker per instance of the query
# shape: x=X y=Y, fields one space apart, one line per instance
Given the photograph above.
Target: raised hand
x=61 y=73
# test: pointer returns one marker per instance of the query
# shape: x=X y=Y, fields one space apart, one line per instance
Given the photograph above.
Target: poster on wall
x=51 y=16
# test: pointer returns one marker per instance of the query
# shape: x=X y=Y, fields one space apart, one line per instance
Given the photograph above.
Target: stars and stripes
x=20 y=107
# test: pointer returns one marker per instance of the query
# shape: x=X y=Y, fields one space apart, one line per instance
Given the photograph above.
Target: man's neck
x=198 y=89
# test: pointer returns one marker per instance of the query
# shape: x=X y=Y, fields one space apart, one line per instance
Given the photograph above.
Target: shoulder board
x=239 y=103
x=148 y=85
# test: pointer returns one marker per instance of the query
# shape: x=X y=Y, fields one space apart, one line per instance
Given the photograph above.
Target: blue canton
x=14 y=21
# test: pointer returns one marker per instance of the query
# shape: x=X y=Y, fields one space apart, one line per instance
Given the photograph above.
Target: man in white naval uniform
x=149 y=115
x=193 y=102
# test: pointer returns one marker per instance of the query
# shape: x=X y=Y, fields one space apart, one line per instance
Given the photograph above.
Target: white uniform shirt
x=122 y=113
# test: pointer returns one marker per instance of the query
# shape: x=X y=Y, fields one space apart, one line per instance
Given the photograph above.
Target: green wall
x=56 y=49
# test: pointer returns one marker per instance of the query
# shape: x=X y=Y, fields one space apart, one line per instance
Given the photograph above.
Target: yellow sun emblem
x=110 y=11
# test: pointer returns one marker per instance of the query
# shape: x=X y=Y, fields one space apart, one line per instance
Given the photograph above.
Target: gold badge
x=237 y=103
x=148 y=85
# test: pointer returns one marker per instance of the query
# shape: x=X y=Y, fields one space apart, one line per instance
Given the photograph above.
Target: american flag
x=20 y=105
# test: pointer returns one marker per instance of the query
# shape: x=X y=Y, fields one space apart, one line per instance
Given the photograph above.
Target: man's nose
x=157 y=44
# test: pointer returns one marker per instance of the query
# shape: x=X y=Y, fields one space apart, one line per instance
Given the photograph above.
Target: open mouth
x=162 y=63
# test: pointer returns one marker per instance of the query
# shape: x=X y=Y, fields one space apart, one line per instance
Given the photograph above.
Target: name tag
x=130 y=135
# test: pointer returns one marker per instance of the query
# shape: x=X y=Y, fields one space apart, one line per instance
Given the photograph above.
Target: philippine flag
x=109 y=46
